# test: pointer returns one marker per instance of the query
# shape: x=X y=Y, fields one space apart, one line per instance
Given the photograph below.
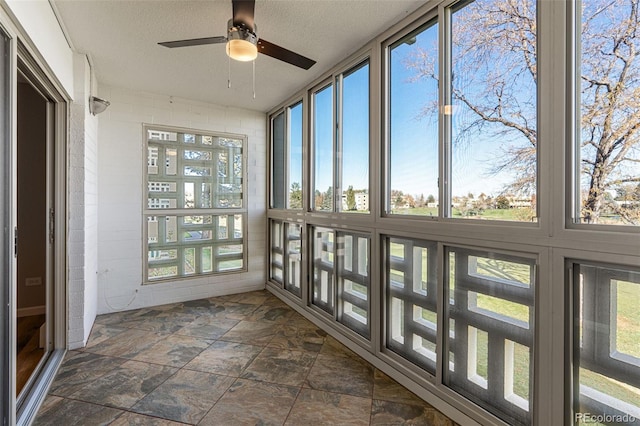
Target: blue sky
x=413 y=134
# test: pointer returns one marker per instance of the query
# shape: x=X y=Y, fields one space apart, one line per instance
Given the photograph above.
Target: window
x=195 y=215
x=413 y=123
x=608 y=181
x=278 y=178
x=491 y=108
x=341 y=277
x=353 y=281
x=286 y=255
x=411 y=306
x=286 y=165
x=606 y=334
x=323 y=149
x=353 y=139
x=341 y=173
x=491 y=330
x=323 y=269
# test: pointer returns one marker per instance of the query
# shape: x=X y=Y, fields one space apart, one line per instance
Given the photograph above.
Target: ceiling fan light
x=242 y=50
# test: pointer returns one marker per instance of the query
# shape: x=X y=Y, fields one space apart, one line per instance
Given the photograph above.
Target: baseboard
x=31 y=311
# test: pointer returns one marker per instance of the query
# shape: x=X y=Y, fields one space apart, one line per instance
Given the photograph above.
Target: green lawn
x=627 y=334
x=489 y=214
x=627 y=337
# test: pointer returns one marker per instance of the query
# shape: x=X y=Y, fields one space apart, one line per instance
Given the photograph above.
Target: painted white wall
x=83 y=210
x=120 y=200
x=37 y=19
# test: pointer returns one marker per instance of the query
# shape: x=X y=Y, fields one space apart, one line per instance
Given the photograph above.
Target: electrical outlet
x=31 y=282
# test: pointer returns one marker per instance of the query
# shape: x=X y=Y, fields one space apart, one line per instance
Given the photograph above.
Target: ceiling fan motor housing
x=242 y=32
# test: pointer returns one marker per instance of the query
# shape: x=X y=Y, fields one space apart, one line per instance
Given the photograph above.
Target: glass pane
x=171 y=162
x=323 y=149
x=152 y=160
x=353 y=282
x=294 y=259
x=223 y=164
x=491 y=331
x=205 y=196
x=230 y=265
x=413 y=123
x=197 y=155
x=197 y=251
x=189 y=264
x=410 y=284
x=223 y=228
x=323 y=268
x=278 y=162
x=609 y=153
x=606 y=354
x=228 y=142
x=237 y=165
x=237 y=223
x=277 y=249
x=197 y=171
x=493 y=111
x=230 y=249
x=162 y=272
x=189 y=195
x=207 y=259
x=170 y=229
x=295 y=157
x=355 y=140
x=163 y=254
x=159 y=135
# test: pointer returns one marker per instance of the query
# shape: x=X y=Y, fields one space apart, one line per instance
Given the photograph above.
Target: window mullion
x=337 y=150
x=444 y=122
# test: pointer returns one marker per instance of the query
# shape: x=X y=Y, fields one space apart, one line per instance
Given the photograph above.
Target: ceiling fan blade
x=243 y=12
x=283 y=54
x=194 y=42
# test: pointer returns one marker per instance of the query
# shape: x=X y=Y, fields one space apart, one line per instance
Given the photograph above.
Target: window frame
x=286 y=152
x=572 y=202
x=335 y=81
x=552 y=239
x=441 y=15
x=182 y=212
x=565 y=298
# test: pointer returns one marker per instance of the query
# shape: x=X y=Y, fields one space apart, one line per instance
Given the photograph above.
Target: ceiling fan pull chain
x=229 y=75
x=254 y=78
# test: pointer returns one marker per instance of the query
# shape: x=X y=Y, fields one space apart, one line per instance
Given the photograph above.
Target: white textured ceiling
x=121 y=37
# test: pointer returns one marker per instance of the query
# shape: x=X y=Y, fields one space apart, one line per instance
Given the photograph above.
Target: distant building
x=361 y=199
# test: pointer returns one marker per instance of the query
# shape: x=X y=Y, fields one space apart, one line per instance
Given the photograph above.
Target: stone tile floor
x=245 y=359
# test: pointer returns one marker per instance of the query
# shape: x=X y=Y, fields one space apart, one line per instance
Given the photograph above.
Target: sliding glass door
x=6 y=248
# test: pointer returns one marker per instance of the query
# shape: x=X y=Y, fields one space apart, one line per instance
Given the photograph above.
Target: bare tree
x=494 y=64
x=610 y=98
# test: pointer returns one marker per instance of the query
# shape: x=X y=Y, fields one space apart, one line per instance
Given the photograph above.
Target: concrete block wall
x=121 y=167
x=83 y=211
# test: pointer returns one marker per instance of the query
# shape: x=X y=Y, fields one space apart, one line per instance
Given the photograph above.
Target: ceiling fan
x=242 y=39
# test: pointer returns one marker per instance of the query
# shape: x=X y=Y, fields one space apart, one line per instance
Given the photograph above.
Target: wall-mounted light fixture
x=97 y=105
